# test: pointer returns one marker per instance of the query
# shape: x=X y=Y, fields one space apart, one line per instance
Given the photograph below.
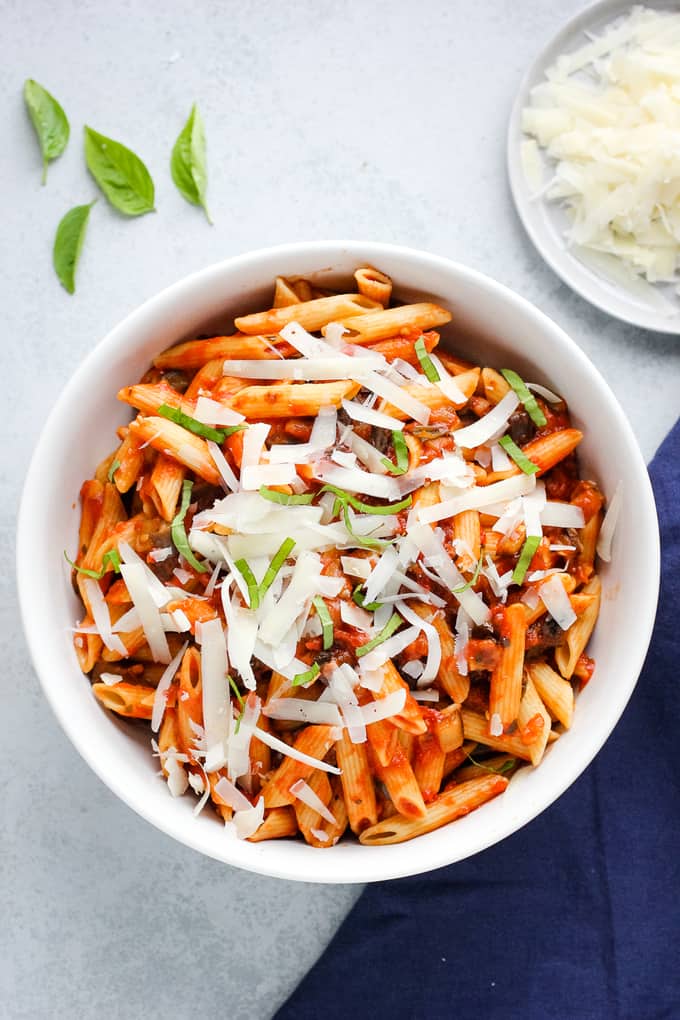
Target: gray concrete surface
x=324 y=119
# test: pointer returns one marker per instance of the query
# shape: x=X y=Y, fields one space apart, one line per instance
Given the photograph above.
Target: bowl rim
x=591 y=287
x=377 y=868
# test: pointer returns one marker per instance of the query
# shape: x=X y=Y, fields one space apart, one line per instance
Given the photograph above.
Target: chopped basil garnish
x=178 y=531
x=309 y=674
x=525 y=395
x=520 y=458
x=401 y=453
x=109 y=559
x=473 y=580
x=197 y=427
x=394 y=622
x=284 y=498
x=325 y=621
x=530 y=546
x=426 y=362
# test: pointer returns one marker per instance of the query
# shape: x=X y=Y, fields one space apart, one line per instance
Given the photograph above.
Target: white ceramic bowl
x=491 y=324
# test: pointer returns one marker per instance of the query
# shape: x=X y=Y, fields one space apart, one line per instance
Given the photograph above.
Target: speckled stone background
x=325 y=119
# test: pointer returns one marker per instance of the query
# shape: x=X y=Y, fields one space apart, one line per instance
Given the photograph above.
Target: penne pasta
x=165 y=485
x=459 y=800
x=381 y=324
x=533 y=721
x=506 y=679
x=555 y=692
x=311 y=315
x=374 y=285
x=314 y=741
x=131 y=700
x=286 y=400
x=179 y=444
x=357 y=784
x=578 y=635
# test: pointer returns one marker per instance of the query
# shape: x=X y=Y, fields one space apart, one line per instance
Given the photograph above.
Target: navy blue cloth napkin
x=577 y=915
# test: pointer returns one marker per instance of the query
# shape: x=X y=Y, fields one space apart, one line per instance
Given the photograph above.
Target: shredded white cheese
x=611 y=138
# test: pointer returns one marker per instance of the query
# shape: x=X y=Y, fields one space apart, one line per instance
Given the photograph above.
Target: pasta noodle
x=270 y=578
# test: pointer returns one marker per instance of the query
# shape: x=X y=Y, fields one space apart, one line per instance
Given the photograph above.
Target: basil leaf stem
x=49 y=120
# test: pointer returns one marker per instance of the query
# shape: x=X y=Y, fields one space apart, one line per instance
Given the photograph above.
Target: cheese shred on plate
x=358 y=555
x=607 y=119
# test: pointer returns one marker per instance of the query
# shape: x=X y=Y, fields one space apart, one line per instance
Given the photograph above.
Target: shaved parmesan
x=176 y=776
x=398 y=397
x=355 y=616
x=247 y=822
x=544 y=392
x=437 y=558
x=479 y=497
x=413 y=668
x=496 y=725
x=607 y=117
x=137 y=584
x=102 y=619
x=429 y=695
x=110 y=678
x=359 y=412
x=356 y=567
x=238 y=753
x=380 y=575
x=159 y=593
x=226 y=474
x=216 y=701
x=390 y=648
x=368 y=454
x=291 y=752
x=604 y=542
x=447 y=383
x=562 y=515
x=556 y=601
x=211 y=412
x=356 y=480
x=158 y=555
x=532 y=505
x=341 y=688
x=160 y=696
x=318 y=369
x=231 y=795
x=486 y=427
x=252 y=477
x=499 y=458
x=304 y=793
x=253 y=442
x=300 y=710
x=384 y=708
x=319 y=834
x=434 y=646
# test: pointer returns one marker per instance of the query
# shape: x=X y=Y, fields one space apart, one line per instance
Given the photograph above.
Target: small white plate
x=659 y=308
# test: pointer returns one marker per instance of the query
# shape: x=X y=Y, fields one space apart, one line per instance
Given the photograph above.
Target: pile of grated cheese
x=608 y=119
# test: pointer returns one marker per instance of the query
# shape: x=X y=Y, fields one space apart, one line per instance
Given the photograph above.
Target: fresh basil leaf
x=120 y=174
x=188 y=164
x=49 y=120
x=68 y=242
